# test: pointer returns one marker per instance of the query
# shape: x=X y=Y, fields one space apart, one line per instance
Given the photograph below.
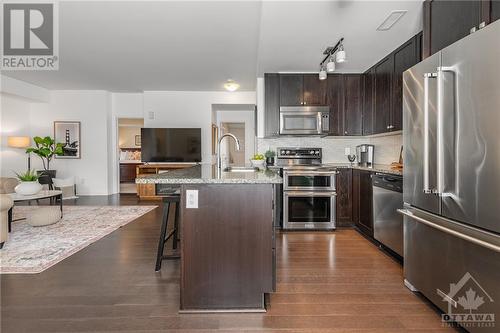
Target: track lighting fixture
x=332 y=54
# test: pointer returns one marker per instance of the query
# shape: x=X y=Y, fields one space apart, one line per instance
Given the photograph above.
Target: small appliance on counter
x=364 y=155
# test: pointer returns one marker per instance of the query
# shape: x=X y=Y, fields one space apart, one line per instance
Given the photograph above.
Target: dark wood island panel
x=227 y=247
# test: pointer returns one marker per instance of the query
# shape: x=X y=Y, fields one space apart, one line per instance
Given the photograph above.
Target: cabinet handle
x=472 y=30
x=482 y=25
x=345 y=132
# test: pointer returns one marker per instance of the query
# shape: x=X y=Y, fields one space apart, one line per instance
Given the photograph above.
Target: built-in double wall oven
x=309 y=198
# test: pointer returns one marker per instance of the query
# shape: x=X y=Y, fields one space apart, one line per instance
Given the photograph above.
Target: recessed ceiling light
x=230 y=85
x=393 y=17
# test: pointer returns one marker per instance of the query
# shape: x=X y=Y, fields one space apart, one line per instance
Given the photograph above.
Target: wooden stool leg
x=176 y=226
x=161 y=242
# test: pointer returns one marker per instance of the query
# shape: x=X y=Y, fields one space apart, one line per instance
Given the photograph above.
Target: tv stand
x=148 y=191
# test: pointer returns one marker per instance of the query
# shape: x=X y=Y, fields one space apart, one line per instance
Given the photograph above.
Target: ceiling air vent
x=393 y=17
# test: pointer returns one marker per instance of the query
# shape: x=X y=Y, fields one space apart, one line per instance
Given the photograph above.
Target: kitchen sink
x=241 y=169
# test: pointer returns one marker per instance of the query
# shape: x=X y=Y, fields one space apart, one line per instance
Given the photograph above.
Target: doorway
x=229 y=154
x=129 y=147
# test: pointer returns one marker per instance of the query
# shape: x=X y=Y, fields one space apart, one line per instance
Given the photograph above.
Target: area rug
x=34 y=249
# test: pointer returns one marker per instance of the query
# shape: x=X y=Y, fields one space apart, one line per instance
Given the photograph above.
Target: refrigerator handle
x=440 y=128
x=427 y=77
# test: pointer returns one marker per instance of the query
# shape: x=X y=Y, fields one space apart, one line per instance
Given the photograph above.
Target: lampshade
x=330 y=66
x=18 y=141
x=322 y=74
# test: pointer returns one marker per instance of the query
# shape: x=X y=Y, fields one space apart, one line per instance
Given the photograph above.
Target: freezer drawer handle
x=450 y=231
x=447 y=298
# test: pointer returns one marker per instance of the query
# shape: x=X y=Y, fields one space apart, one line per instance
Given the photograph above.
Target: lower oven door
x=308 y=210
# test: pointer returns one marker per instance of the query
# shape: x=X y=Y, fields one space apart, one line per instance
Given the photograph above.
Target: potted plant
x=270 y=156
x=46 y=148
x=29 y=184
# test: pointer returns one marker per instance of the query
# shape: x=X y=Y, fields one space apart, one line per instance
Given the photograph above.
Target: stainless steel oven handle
x=426 y=186
x=309 y=194
x=450 y=231
x=310 y=173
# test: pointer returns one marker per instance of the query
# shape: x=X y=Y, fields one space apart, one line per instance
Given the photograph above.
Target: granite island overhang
x=227 y=223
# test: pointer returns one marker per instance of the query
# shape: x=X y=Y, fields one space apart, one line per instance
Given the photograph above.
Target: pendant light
x=330 y=66
x=322 y=73
x=340 y=55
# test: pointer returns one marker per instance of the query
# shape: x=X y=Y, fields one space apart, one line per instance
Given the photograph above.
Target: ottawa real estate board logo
x=467 y=301
x=30 y=35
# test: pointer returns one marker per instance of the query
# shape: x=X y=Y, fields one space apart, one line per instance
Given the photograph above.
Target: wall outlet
x=191 y=198
x=347 y=151
x=151 y=115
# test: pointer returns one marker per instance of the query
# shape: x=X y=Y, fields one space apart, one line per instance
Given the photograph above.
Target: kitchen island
x=227 y=236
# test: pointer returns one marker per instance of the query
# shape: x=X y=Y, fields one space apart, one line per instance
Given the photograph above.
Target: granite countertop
x=207 y=174
x=382 y=168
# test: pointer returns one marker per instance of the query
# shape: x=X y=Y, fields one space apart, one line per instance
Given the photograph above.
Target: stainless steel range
x=309 y=193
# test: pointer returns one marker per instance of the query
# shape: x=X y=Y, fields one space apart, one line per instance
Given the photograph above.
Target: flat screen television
x=171 y=145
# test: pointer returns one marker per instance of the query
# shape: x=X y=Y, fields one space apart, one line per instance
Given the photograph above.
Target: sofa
x=6 y=203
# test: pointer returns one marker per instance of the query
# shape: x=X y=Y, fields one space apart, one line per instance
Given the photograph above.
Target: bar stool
x=167 y=201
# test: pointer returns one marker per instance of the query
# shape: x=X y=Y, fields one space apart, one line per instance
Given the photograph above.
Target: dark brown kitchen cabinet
x=405 y=57
x=362 y=201
x=291 y=89
x=343 y=183
x=382 y=99
x=353 y=111
x=127 y=172
x=369 y=84
x=314 y=90
x=335 y=99
x=271 y=104
x=448 y=21
x=494 y=10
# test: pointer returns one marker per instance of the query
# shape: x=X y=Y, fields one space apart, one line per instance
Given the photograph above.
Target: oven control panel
x=299 y=152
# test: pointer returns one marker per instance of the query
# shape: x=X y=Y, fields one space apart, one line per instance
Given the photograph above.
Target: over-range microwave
x=304 y=120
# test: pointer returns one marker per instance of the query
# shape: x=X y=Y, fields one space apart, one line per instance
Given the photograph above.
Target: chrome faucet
x=219 y=160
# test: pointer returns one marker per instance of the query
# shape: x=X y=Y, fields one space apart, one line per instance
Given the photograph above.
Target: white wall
x=189 y=109
x=14 y=120
x=93 y=110
x=23 y=89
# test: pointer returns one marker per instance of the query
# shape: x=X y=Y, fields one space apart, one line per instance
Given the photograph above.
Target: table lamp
x=21 y=142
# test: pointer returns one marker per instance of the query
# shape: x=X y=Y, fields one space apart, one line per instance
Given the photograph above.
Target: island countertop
x=207 y=174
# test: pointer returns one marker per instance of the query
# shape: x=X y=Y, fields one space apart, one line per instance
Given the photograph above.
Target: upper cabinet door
x=404 y=58
x=271 y=104
x=383 y=85
x=369 y=80
x=495 y=10
x=314 y=90
x=353 y=115
x=291 y=89
x=448 y=21
x=335 y=97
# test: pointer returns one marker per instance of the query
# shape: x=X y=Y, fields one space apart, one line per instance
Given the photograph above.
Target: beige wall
x=126 y=136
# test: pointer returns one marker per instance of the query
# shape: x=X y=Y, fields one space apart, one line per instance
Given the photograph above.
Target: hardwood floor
x=327 y=282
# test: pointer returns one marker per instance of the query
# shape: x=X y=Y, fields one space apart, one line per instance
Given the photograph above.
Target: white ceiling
x=127 y=46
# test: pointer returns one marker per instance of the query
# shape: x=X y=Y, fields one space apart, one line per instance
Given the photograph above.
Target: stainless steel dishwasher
x=387 y=222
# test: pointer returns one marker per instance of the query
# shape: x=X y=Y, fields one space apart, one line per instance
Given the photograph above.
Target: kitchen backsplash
x=387 y=148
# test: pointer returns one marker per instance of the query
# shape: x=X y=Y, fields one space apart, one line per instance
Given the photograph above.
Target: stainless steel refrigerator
x=451 y=130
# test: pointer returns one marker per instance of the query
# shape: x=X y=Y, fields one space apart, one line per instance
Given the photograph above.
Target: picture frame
x=138 y=140
x=215 y=137
x=69 y=134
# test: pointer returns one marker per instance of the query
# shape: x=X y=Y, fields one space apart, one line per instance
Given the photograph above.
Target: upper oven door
x=303 y=120
x=309 y=180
